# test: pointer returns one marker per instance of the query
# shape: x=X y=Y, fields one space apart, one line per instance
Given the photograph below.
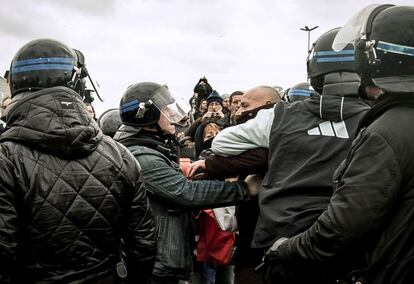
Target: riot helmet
x=299 y=92
x=110 y=121
x=323 y=59
x=383 y=36
x=143 y=103
x=40 y=64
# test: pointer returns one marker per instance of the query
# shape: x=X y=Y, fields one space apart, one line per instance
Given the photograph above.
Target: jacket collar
x=54 y=120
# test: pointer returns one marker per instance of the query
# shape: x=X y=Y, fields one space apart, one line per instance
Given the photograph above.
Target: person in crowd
x=186 y=146
x=306 y=140
x=201 y=91
x=371 y=207
x=211 y=269
x=209 y=126
x=147 y=112
x=110 y=121
x=250 y=162
x=255 y=99
x=68 y=194
x=190 y=134
x=202 y=109
x=229 y=118
x=226 y=103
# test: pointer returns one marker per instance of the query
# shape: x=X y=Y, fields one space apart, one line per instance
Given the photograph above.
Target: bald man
x=257 y=98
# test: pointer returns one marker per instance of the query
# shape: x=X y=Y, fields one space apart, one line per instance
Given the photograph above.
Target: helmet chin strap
x=78 y=84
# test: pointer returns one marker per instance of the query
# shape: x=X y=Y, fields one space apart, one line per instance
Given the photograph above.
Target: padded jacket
x=68 y=194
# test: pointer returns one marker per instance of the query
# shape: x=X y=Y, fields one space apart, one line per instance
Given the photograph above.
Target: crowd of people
x=313 y=184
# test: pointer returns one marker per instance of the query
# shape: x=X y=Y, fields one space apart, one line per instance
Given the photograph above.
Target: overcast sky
x=236 y=44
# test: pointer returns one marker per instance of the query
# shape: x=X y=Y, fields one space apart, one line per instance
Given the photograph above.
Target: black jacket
x=308 y=140
x=68 y=195
x=372 y=206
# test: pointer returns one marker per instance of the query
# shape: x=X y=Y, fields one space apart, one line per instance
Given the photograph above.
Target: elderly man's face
x=214 y=107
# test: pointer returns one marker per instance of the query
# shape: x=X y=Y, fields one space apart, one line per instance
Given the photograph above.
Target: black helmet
x=323 y=59
x=383 y=36
x=110 y=121
x=142 y=104
x=41 y=63
x=299 y=92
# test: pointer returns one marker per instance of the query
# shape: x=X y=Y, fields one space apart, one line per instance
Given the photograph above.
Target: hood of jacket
x=339 y=99
x=53 y=120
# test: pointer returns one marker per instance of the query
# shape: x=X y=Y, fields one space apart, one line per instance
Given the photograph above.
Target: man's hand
x=254 y=183
x=193 y=167
x=232 y=179
x=211 y=114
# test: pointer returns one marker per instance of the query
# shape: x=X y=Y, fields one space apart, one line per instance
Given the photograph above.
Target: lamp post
x=307 y=29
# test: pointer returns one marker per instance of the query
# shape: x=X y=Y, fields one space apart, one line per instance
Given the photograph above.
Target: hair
x=235 y=93
x=201 y=103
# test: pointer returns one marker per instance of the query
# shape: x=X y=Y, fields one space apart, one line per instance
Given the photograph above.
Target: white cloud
x=235 y=44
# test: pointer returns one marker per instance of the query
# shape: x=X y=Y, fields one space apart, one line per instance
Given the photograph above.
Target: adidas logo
x=329 y=128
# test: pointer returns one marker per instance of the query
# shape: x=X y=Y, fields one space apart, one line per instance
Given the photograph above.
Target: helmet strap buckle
x=371 y=53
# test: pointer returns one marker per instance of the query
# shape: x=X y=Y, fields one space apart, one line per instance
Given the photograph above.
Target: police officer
x=110 y=121
x=68 y=194
x=372 y=204
x=299 y=92
x=307 y=140
x=148 y=113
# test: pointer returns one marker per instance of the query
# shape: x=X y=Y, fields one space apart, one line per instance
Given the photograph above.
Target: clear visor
x=167 y=105
x=354 y=29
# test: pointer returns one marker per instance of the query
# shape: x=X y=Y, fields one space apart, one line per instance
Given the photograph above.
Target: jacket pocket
x=172 y=243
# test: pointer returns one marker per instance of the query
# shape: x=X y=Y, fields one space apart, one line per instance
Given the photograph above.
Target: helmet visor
x=167 y=105
x=354 y=29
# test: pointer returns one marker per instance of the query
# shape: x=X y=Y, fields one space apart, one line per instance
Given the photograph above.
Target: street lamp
x=307 y=29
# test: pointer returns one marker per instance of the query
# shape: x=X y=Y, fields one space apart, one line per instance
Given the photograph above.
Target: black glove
x=276 y=271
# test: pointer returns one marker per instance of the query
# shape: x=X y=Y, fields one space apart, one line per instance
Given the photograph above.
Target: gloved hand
x=275 y=271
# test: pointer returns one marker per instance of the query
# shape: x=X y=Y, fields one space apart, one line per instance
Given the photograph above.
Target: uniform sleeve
x=364 y=196
x=9 y=229
x=165 y=182
x=140 y=240
x=252 y=134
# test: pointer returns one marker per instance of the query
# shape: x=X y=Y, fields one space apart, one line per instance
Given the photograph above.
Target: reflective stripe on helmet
x=132 y=105
x=335 y=56
x=395 y=48
x=48 y=63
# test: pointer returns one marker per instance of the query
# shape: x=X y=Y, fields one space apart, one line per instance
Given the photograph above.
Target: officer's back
x=68 y=194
